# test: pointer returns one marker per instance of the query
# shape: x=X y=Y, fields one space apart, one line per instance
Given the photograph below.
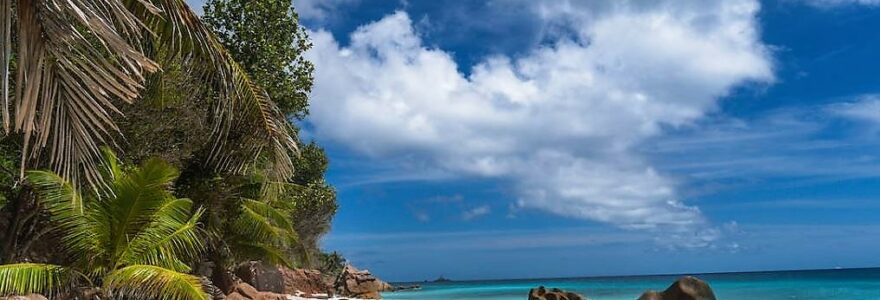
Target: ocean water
x=846 y=284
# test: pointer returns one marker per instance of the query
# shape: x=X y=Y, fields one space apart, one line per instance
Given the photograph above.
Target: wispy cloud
x=320 y=10
x=805 y=145
x=602 y=250
x=838 y=3
x=452 y=207
x=801 y=204
x=476 y=212
x=456 y=198
x=864 y=108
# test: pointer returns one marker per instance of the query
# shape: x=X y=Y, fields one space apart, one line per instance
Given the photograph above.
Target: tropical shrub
x=134 y=238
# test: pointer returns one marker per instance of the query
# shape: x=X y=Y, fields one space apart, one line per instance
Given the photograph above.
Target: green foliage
x=310 y=164
x=172 y=122
x=332 y=263
x=152 y=282
x=39 y=278
x=78 y=62
x=264 y=231
x=266 y=39
x=135 y=238
x=241 y=223
x=313 y=209
x=9 y=161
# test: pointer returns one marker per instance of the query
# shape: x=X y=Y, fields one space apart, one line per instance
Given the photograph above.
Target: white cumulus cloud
x=561 y=121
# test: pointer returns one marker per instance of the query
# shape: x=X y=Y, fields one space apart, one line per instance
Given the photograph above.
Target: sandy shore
x=291 y=297
x=319 y=297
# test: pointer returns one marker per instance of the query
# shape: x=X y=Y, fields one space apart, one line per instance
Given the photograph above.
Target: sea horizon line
x=452 y=280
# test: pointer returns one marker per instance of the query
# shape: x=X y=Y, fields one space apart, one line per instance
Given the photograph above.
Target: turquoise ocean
x=844 y=284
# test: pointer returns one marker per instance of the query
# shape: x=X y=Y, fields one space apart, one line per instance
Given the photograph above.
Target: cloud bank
x=560 y=122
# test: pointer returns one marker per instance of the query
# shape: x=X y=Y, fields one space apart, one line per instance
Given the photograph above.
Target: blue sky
x=513 y=139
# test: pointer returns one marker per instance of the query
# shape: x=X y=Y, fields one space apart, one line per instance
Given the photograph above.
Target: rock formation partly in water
x=541 y=293
x=351 y=282
x=685 y=288
x=360 y=284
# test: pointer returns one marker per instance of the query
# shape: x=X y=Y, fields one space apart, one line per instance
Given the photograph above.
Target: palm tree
x=134 y=240
x=68 y=65
x=77 y=60
x=244 y=220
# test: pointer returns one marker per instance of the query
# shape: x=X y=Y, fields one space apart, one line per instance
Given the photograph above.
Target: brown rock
x=263 y=277
x=235 y=296
x=360 y=284
x=651 y=295
x=270 y=296
x=541 y=293
x=305 y=281
x=224 y=280
x=245 y=290
x=685 y=288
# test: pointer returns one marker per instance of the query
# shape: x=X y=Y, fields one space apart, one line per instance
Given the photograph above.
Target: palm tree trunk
x=220 y=277
x=22 y=211
x=7 y=251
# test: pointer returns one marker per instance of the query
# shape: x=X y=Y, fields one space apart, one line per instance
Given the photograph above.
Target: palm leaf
x=272 y=192
x=138 y=195
x=29 y=278
x=171 y=236
x=262 y=222
x=113 y=170
x=248 y=250
x=77 y=57
x=5 y=58
x=152 y=282
x=81 y=232
x=74 y=59
x=242 y=107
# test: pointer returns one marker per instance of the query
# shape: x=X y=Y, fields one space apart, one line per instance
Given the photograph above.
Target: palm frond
x=173 y=235
x=262 y=222
x=152 y=282
x=272 y=192
x=61 y=199
x=74 y=59
x=137 y=196
x=29 y=278
x=261 y=251
x=113 y=170
x=80 y=232
x=242 y=109
x=5 y=58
